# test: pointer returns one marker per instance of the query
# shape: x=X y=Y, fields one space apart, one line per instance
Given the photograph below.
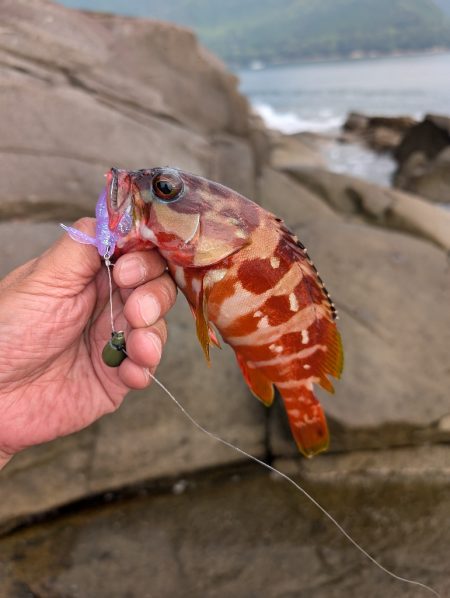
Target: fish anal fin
x=307 y=421
x=260 y=386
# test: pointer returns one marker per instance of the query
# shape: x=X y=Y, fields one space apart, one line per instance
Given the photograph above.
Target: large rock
x=82 y=92
x=381 y=133
x=430 y=179
x=244 y=533
x=376 y=205
x=296 y=150
x=424 y=159
x=429 y=137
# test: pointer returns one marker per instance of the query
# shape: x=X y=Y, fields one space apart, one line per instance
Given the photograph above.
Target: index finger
x=138 y=267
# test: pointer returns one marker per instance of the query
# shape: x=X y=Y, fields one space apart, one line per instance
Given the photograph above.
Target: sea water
x=317 y=97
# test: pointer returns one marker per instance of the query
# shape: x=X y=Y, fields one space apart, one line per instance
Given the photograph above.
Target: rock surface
x=81 y=92
x=424 y=159
x=375 y=205
x=243 y=533
x=95 y=91
x=380 y=133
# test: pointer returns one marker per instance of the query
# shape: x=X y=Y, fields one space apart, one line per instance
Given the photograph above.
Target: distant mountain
x=280 y=31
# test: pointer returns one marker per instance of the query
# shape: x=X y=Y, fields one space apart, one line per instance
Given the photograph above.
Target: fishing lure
x=240 y=269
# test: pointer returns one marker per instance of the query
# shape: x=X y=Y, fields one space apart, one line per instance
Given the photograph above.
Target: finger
x=149 y=302
x=67 y=264
x=145 y=345
x=138 y=268
x=125 y=294
x=134 y=375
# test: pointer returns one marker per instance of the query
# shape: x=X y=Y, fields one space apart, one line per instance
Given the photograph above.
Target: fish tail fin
x=306 y=419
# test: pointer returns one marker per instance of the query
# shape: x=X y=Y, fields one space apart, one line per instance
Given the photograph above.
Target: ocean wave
x=289 y=122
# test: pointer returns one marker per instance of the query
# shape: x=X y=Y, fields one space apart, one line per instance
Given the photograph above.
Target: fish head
x=192 y=221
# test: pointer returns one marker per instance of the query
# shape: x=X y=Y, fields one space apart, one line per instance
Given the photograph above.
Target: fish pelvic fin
x=201 y=321
x=212 y=333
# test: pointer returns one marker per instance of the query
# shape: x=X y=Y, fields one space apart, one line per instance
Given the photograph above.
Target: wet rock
x=381 y=133
x=356 y=122
x=429 y=137
x=424 y=159
x=244 y=533
x=376 y=205
x=430 y=179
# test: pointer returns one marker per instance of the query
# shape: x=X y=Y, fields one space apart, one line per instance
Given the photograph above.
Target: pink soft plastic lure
x=105 y=240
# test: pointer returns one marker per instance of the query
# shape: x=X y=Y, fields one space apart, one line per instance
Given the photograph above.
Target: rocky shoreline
x=141 y=504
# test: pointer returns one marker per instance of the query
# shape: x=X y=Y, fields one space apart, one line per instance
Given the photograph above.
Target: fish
x=244 y=274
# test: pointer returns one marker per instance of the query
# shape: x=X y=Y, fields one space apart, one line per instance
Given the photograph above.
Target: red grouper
x=242 y=270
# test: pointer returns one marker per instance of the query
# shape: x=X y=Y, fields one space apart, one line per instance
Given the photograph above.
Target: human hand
x=54 y=323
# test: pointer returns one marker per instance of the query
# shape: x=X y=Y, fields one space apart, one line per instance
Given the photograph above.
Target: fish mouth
x=124 y=207
x=119 y=201
x=118 y=189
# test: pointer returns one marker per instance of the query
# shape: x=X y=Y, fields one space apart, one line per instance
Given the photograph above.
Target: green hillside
x=277 y=31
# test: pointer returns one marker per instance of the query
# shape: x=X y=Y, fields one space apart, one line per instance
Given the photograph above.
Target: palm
x=63 y=386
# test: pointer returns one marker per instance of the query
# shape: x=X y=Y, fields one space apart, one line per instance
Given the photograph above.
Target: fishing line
x=298 y=487
x=305 y=493
x=108 y=265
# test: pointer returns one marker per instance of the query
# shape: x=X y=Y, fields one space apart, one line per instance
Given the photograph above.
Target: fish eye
x=167 y=187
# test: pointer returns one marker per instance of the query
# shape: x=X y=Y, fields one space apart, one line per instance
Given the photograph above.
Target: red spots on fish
x=258 y=276
x=308 y=291
x=277 y=309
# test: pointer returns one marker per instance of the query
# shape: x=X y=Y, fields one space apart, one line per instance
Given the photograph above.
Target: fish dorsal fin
x=260 y=386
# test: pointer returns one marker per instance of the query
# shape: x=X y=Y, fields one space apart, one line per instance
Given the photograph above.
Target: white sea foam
x=289 y=122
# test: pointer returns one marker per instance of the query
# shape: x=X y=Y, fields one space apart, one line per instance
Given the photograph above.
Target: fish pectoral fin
x=260 y=386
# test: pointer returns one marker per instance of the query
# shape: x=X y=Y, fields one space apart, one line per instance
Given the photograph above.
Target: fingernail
x=156 y=342
x=149 y=308
x=132 y=271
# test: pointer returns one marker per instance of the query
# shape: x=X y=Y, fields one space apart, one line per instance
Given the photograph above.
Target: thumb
x=68 y=264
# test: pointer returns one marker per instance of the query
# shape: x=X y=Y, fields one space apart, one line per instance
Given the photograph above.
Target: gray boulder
x=380 y=133
x=424 y=158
